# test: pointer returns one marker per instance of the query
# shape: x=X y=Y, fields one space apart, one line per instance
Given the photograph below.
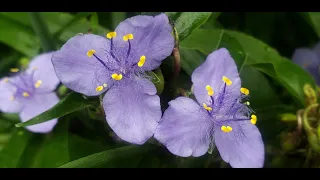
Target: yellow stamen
x=14 y=70
x=253 y=119
x=5 y=80
x=244 y=91
x=128 y=37
x=99 y=88
x=11 y=98
x=35 y=68
x=111 y=35
x=117 y=77
x=25 y=94
x=206 y=107
x=142 y=61
x=226 y=80
x=91 y=52
x=210 y=90
x=226 y=129
x=105 y=85
x=38 y=84
x=247 y=103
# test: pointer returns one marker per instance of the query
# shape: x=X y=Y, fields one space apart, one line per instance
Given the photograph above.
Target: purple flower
x=29 y=92
x=309 y=60
x=115 y=64
x=222 y=115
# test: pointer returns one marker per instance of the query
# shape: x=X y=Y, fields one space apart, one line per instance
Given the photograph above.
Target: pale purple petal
x=185 y=128
x=7 y=102
x=42 y=68
x=132 y=110
x=218 y=64
x=79 y=72
x=152 y=38
x=316 y=49
x=308 y=60
x=242 y=147
x=37 y=105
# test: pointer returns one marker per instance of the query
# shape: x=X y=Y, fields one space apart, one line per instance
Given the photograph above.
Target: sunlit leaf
x=71 y=103
x=187 y=22
x=108 y=158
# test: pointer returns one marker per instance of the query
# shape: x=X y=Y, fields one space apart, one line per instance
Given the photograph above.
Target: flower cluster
x=114 y=65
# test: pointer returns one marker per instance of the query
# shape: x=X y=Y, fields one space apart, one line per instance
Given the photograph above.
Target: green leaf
x=258 y=54
x=313 y=18
x=157 y=79
x=80 y=147
x=11 y=154
x=54 y=151
x=71 y=103
x=117 y=17
x=41 y=29
x=17 y=31
x=77 y=17
x=108 y=158
x=94 y=20
x=187 y=22
x=58 y=147
x=18 y=36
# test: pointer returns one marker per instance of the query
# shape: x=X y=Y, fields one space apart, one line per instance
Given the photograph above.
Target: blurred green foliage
x=261 y=44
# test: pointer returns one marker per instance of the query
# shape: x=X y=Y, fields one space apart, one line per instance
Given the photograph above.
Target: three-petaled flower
x=115 y=64
x=29 y=92
x=309 y=60
x=222 y=115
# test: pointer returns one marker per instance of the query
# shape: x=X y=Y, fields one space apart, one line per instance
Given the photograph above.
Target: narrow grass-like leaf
x=71 y=103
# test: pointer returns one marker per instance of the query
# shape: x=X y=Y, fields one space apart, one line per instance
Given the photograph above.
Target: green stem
x=41 y=29
x=306 y=124
x=312 y=136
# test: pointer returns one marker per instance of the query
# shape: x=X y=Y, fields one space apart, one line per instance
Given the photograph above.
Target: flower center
x=124 y=69
x=23 y=85
x=224 y=108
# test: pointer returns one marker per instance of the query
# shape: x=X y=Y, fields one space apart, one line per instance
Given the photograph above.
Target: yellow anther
x=38 y=84
x=117 y=77
x=253 y=119
x=111 y=35
x=99 y=88
x=105 y=85
x=210 y=90
x=5 y=80
x=11 y=98
x=247 y=103
x=25 y=94
x=206 y=107
x=128 y=37
x=226 y=129
x=14 y=70
x=244 y=91
x=226 y=80
x=35 y=68
x=142 y=61
x=91 y=52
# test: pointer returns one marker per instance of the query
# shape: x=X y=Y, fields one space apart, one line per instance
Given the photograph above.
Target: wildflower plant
x=125 y=98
